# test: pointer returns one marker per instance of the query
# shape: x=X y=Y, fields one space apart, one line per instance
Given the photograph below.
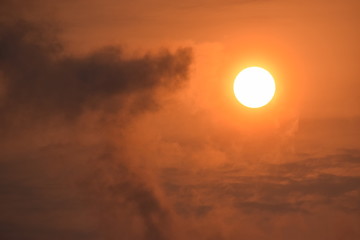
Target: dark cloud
x=275 y=208
x=53 y=186
x=301 y=195
x=39 y=77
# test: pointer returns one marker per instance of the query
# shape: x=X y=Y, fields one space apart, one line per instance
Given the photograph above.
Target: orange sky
x=314 y=44
x=119 y=120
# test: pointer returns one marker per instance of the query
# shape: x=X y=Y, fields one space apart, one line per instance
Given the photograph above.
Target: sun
x=254 y=87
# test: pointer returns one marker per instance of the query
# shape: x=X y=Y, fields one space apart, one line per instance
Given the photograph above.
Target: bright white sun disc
x=254 y=87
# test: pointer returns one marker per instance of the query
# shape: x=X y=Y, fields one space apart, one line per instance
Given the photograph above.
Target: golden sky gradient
x=118 y=120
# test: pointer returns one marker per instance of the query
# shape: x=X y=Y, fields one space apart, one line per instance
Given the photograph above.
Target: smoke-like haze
x=63 y=171
x=112 y=145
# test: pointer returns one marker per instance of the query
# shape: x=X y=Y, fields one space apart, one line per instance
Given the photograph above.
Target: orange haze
x=118 y=120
